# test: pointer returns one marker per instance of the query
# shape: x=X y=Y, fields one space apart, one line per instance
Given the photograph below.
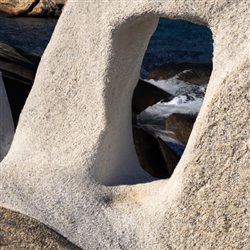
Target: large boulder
x=72 y=164
x=181 y=126
x=32 y=7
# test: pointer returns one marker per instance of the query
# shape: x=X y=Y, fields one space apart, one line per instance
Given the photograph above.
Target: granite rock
x=181 y=125
x=72 y=164
x=21 y=232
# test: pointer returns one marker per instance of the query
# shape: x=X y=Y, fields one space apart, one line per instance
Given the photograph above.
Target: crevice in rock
x=169 y=94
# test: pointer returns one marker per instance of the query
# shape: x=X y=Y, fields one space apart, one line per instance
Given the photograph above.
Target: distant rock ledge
x=32 y=7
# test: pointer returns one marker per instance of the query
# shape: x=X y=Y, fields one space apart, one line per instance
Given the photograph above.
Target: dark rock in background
x=181 y=125
x=146 y=94
x=154 y=155
x=18 y=71
x=194 y=73
x=170 y=157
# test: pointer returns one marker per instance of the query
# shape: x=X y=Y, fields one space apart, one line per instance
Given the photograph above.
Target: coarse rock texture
x=7 y=129
x=32 y=7
x=72 y=164
x=21 y=232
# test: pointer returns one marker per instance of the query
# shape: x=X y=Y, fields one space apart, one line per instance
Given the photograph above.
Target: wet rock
x=153 y=154
x=194 y=73
x=32 y=7
x=19 y=231
x=18 y=71
x=181 y=125
x=146 y=94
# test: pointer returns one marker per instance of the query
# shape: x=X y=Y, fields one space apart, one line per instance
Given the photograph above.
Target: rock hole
x=174 y=75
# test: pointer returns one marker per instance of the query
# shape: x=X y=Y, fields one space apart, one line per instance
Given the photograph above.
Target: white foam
x=188 y=100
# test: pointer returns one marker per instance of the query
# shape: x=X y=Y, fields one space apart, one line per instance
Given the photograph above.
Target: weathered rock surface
x=32 y=7
x=72 y=164
x=194 y=73
x=181 y=125
x=21 y=232
x=146 y=94
x=18 y=69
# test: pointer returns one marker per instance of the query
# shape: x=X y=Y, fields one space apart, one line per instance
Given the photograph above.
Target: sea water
x=29 y=34
x=177 y=41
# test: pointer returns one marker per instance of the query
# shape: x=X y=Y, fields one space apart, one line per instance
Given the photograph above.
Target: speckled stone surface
x=72 y=164
x=21 y=232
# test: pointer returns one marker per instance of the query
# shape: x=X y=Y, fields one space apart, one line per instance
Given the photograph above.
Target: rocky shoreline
x=34 y=8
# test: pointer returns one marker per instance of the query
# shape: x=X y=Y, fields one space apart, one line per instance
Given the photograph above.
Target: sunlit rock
x=32 y=7
x=72 y=164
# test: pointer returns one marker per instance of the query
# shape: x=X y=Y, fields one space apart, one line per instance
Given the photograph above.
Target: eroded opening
x=174 y=75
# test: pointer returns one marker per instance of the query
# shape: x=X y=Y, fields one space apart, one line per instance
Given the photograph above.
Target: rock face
x=21 y=232
x=32 y=7
x=181 y=125
x=72 y=163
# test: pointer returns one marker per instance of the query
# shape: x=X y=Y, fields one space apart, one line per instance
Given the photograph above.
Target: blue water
x=173 y=40
x=29 y=34
x=177 y=41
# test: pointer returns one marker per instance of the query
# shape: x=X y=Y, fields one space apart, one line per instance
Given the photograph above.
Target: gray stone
x=7 y=129
x=72 y=164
